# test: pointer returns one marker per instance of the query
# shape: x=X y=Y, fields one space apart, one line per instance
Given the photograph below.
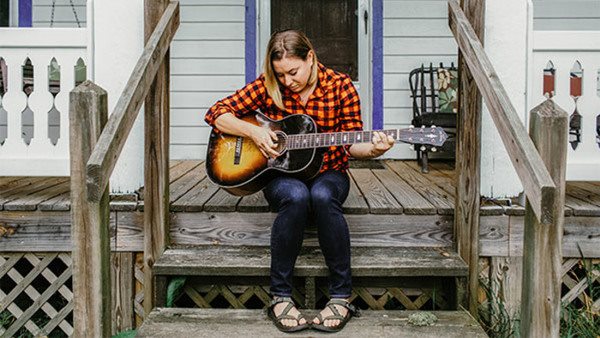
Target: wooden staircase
x=221 y=267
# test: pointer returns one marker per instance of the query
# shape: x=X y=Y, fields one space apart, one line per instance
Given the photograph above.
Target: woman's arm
x=225 y=116
x=378 y=146
x=264 y=138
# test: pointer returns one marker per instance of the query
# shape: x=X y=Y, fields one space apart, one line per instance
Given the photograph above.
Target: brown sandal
x=277 y=320
x=352 y=311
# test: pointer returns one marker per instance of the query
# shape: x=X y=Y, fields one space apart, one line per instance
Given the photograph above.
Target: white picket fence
x=563 y=49
x=40 y=157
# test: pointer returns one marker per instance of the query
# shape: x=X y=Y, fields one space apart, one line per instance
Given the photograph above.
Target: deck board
x=386 y=187
x=443 y=202
x=379 y=199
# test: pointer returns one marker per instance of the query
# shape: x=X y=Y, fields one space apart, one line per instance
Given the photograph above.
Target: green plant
x=175 y=289
x=583 y=319
x=495 y=318
x=125 y=334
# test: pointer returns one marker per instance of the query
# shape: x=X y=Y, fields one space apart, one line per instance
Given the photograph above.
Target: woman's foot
x=286 y=316
x=335 y=315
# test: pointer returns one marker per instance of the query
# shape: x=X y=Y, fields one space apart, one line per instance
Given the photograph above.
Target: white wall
x=415 y=32
x=63 y=13
x=207 y=64
x=114 y=60
x=507 y=27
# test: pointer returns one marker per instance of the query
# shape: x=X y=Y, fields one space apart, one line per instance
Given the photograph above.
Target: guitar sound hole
x=281 y=142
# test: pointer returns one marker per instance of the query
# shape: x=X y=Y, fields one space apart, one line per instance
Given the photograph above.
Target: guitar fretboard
x=306 y=141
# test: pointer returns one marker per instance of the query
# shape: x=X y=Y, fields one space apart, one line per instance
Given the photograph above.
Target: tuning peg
x=433 y=149
x=411 y=126
x=423 y=127
x=411 y=147
x=423 y=148
x=433 y=126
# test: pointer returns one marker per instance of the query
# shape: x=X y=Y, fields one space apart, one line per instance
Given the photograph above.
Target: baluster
x=576 y=77
x=549 y=79
x=54 y=87
x=3 y=113
x=598 y=116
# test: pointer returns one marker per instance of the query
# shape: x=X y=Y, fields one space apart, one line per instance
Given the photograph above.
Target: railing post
x=88 y=113
x=468 y=156
x=156 y=160
x=542 y=247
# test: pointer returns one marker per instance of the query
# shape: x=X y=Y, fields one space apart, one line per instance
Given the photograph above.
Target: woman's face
x=293 y=72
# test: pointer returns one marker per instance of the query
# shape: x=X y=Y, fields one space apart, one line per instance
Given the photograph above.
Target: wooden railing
x=95 y=147
x=541 y=172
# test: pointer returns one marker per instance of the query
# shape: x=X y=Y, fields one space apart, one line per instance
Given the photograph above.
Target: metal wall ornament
x=576 y=79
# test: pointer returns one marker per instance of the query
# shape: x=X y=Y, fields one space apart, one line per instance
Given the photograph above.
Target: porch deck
x=391 y=203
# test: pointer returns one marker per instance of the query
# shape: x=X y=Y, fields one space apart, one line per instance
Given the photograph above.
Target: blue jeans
x=319 y=201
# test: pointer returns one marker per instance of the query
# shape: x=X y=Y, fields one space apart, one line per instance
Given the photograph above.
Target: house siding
x=415 y=32
x=63 y=13
x=207 y=64
x=566 y=15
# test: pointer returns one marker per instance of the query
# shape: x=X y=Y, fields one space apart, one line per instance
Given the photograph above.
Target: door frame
x=365 y=50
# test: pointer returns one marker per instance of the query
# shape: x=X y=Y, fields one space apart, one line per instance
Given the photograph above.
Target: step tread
x=177 y=322
x=255 y=261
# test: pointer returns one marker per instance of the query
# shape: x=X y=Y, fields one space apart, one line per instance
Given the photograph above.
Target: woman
x=295 y=83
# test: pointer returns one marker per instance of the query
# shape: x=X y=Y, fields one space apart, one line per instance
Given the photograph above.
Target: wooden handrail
x=104 y=157
x=530 y=168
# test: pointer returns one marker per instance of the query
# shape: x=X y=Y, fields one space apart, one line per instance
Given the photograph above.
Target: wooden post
x=88 y=113
x=542 y=248
x=156 y=160
x=468 y=156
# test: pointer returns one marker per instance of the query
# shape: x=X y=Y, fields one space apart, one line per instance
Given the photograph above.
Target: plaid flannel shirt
x=334 y=105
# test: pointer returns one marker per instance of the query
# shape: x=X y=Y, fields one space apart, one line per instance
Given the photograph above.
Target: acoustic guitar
x=237 y=165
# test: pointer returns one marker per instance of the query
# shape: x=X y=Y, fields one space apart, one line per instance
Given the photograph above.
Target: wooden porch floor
x=377 y=187
x=391 y=203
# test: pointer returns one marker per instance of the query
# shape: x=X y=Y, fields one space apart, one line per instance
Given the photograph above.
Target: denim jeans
x=297 y=203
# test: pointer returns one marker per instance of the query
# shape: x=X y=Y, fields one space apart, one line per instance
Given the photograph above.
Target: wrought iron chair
x=434 y=97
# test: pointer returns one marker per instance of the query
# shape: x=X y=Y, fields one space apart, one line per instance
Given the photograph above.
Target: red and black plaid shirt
x=334 y=105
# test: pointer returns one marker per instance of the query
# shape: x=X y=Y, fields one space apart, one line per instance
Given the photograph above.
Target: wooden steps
x=173 y=323
x=255 y=261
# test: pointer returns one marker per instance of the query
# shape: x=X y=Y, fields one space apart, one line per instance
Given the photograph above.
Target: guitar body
x=236 y=164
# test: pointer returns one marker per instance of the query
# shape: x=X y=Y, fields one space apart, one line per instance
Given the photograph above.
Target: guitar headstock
x=434 y=136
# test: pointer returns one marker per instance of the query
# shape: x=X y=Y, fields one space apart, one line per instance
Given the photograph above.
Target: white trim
x=91 y=47
x=51 y=167
x=263 y=32
x=364 y=62
x=13 y=16
x=566 y=40
x=32 y=38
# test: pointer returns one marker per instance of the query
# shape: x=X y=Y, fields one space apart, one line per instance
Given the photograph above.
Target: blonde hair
x=288 y=43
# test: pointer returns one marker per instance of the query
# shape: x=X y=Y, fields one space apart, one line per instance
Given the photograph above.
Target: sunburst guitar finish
x=236 y=164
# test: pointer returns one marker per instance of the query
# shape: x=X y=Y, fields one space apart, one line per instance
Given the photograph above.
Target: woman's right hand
x=265 y=141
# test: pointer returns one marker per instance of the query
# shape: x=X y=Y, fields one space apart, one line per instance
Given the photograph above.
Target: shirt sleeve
x=250 y=98
x=350 y=108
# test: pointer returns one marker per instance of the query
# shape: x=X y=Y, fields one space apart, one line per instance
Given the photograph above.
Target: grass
x=578 y=318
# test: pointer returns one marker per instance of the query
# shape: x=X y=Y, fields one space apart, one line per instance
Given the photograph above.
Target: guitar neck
x=306 y=141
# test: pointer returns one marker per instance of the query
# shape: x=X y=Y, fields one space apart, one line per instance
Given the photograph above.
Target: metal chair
x=425 y=94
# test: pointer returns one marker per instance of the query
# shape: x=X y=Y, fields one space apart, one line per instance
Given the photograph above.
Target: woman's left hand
x=380 y=143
